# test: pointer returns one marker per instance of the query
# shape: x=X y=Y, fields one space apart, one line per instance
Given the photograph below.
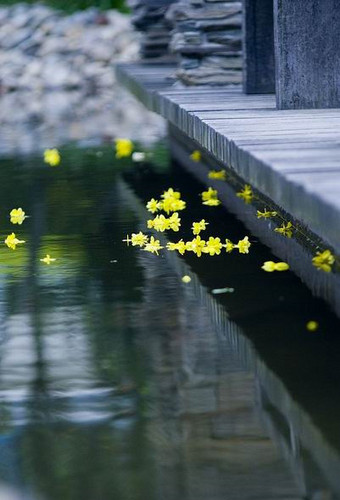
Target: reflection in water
x=116 y=380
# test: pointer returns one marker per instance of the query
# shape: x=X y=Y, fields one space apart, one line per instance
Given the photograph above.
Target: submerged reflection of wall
x=205 y=425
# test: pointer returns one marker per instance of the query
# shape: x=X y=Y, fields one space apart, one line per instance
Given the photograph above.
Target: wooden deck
x=292 y=157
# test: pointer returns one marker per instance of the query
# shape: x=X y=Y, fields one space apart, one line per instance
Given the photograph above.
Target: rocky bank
x=57 y=79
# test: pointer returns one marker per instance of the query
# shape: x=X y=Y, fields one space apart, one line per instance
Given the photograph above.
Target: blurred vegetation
x=74 y=5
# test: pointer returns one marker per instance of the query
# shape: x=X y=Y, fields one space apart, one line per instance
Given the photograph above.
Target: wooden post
x=307 y=50
x=258 y=47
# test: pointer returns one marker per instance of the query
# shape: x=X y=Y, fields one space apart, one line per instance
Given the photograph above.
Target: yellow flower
x=285 y=229
x=52 y=157
x=48 y=259
x=271 y=266
x=124 y=147
x=161 y=223
x=213 y=246
x=174 y=222
x=171 y=205
x=243 y=245
x=186 y=279
x=17 y=216
x=324 y=260
x=179 y=246
x=178 y=205
x=12 y=241
x=229 y=246
x=266 y=214
x=152 y=205
x=153 y=246
x=246 y=194
x=197 y=227
x=139 y=239
x=220 y=175
x=312 y=326
x=196 y=245
x=150 y=223
x=170 y=193
x=211 y=194
x=212 y=203
x=196 y=155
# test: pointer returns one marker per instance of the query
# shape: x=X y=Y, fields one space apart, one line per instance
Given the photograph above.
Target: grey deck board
x=292 y=157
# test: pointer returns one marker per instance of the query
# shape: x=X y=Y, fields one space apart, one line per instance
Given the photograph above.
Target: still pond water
x=118 y=381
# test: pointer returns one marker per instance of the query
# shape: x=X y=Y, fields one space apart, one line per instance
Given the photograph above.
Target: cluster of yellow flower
x=171 y=202
x=322 y=261
x=162 y=223
x=17 y=216
x=212 y=246
x=142 y=240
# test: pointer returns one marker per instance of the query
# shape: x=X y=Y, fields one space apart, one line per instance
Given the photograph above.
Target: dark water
x=117 y=381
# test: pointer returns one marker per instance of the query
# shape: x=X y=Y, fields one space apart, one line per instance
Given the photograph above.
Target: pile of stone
x=207 y=37
x=57 y=80
x=149 y=18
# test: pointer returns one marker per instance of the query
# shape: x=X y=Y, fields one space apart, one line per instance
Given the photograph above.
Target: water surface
x=117 y=381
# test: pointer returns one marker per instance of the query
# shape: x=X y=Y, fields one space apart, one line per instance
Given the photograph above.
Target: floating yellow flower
x=153 y=205
x=212 y=203
x=174 y=222
x=124 y=147
x=312 y=326
x=186 y=279
x=266 y=214
x=220 y=175
x=197 y=227
x=48 y=259
x=324 y=260
x=196 y=155
x=171 y=205
x=12 y=241
x=178 y=205
x=243 y=245
x=196 y=245
x=271 y=266
x=246 y=194
x=213 y=246
x=229 y=246
x=52 y=157
x=139 y=239
x=285 y=229
x=17 y=216
x=161 y=223
x=170 y=193
x=153 y=246
x=180 y=246
x=211 y=194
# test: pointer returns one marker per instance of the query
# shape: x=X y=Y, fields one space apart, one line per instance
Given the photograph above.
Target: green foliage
x=73 y=5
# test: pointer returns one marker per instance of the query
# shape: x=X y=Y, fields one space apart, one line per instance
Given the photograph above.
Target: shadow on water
x=117 y=381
